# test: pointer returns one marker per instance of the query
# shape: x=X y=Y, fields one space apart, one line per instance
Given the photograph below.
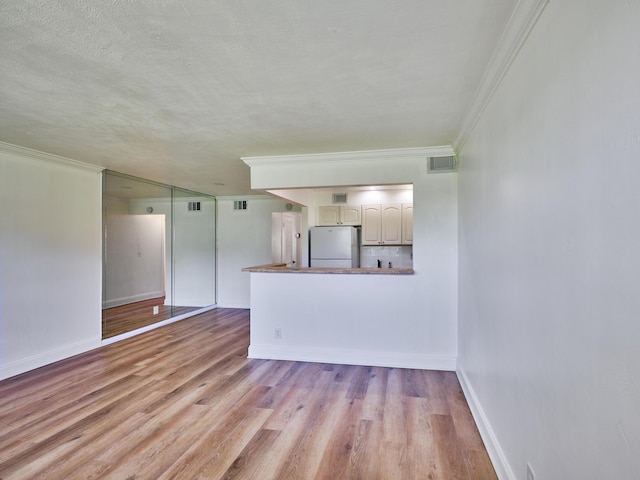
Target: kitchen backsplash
x=400 y=257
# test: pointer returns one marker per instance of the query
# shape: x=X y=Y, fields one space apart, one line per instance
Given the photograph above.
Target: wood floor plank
x=337 y=455
x=184 y=402
x=231 y=429
x=394 y=425
x=248 y=463
x=449 y=453
x=304 y=458
x=364 y=456
x=421 y=447
x=373 y=408
x=438 y=391
x=392 y=459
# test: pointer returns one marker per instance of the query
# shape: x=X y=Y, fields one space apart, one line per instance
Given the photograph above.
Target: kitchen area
x=347 y=230
x=358 y=278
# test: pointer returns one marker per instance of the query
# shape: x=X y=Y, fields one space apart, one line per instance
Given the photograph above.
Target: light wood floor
x=184 y=402
x=126 y=318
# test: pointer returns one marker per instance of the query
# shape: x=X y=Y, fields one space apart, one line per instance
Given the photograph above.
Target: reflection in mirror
x=194 y=254
x=158 y=253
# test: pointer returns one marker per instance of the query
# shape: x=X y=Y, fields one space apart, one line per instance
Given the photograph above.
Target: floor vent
x=194 y=206
x=239 y=204
x=442 y=164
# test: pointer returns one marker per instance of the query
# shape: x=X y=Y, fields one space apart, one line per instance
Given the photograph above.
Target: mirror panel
x=194 y=252
x=140 y=284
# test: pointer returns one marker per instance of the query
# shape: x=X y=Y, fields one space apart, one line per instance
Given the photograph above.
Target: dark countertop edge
x=282 y=268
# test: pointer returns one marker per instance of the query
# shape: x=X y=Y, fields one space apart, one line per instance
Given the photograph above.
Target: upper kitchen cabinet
x=382 y=224
x=407 y=223
x=339 y=215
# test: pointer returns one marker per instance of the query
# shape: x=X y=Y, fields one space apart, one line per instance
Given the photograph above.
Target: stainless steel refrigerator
x=334 y=247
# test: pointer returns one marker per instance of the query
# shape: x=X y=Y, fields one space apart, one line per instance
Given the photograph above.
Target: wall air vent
x=442 y=164
x=239 y=204
x=194 y=206
x=340 y=198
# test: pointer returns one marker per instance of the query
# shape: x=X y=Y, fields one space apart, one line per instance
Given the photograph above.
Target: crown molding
x=37 y=155
x=522 y=21
x=245 y=197
x=356 y=156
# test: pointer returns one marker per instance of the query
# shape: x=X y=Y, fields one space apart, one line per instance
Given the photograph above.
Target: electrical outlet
x=155 y=310
x=530 y=474
x=277 y=333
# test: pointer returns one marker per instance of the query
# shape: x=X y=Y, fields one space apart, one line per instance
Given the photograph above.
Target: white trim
x=45 y=358
x=37 y=155
x=353 y=357
x=522 y=21
x=245 y=197
x=357 y=156
x=497 y=455
x=133 y=333
x=116 y=302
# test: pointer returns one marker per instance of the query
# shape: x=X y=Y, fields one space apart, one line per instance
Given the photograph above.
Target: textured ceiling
x=178 y=91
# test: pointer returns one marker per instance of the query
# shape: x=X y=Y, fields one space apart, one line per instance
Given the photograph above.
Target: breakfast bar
x=282 y=268
x=357 y=316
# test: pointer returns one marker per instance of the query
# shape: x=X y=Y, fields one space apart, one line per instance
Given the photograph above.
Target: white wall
x=354 y=319
x=50 y=259
x=244 y=240
x=395 y=321
x=549 y=211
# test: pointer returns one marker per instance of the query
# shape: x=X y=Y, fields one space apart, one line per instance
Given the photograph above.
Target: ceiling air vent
x=340 y=198
x=442 y=164
x=239 y=204
x=194 y=206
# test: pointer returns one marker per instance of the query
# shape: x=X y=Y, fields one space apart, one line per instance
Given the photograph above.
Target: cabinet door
x=328 y=216
x=391 y=233
x=371 y=224
x=407 y=223
x=350 y=215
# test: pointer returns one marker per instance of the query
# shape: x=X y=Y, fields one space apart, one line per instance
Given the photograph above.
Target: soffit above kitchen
x=178 y=91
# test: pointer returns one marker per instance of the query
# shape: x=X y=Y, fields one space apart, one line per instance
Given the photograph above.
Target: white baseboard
x=234 y=305
x=45 y=358
x=498 y=458
x=116 y=302
x=353 y=357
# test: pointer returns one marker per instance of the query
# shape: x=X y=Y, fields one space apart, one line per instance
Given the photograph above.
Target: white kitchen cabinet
x=371 y=223
x=407 y=223
x=391 y=224
x=339 y=215
x=382 y=224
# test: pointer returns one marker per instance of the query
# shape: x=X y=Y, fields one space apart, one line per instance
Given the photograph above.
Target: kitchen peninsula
x=390 y=317
x=356 y=316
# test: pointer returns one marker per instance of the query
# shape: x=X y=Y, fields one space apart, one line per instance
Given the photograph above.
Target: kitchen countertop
x=282 y=268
